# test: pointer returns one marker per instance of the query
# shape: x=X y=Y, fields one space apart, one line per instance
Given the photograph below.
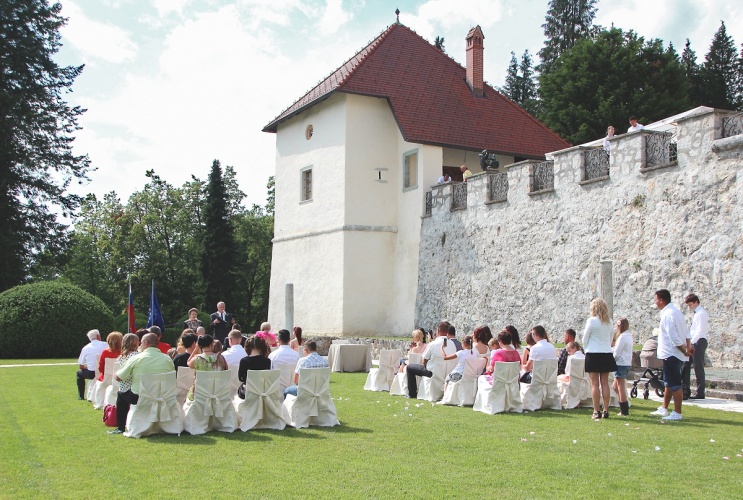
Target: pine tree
x=719 y=73
x=36 y=133
x=218 y=261
x=691 y=69
x=512 y=86
x=527 y=84
x=566 y=22
x=439 y=43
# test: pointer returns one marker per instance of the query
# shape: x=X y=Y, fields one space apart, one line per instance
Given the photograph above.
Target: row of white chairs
x=505 y=394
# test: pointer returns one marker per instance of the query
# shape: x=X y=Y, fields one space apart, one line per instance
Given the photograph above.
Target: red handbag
x=109 y=416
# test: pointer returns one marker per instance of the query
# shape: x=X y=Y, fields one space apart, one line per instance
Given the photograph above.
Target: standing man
x=221 y=323
x=673 y=348
x=433 y=356
x=634 y=126
x=87 y=361
x=698 y=332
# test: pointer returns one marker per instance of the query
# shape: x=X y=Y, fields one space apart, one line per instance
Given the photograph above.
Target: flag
x=130 y=312
x=156 y=317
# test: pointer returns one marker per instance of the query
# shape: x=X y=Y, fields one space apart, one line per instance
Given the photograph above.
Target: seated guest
x=452 y=336
x=267 y=334
x=515 y=339
x=129 y=349
x=417 y=346
x=150 y=361
x=236 y=352
x=574 y=352
x=204 y=358
x=542 y=350
x=434 y=355
x=87 y=359
x=505 y=353
x=256 y=357
x=284 y=355
x=481 y=337
x=189 y=345
x=114 y=351
x=200 y=331
x=163 y=346
x=462 y=356
x=180 y=348
x=567 y=337
x=141 y=333
x=525 y=376
x=310 y=360
x=297 y=342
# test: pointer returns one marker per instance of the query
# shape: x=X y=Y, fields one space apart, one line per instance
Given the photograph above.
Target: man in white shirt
x=236 y=352
x=432 y=357
x=698 y=332
x=673 y=347
x=542 y=350
x=87 y=361
x=444 y=178
x=634 y=126
x=284 y=355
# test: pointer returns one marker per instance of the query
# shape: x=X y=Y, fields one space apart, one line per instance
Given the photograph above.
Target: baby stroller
x=653 y=374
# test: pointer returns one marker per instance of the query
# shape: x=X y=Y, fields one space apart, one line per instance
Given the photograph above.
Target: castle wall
x=535 y=258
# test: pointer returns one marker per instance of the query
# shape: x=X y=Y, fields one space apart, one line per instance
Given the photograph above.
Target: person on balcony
x=634 y=126
x=609 y=135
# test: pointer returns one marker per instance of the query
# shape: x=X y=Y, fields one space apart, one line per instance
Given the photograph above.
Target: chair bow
x=213 y=406
x=159 y=411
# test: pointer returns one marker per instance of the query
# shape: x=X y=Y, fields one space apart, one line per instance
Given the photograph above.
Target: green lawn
x=56 y=446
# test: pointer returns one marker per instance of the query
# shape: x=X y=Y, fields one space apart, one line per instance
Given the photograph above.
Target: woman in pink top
x=506 y=353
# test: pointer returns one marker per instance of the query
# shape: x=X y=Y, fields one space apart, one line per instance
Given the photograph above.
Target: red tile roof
x=431 y=100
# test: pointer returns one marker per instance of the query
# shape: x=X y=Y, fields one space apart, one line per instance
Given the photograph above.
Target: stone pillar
x=289 y=307
x=607 y=285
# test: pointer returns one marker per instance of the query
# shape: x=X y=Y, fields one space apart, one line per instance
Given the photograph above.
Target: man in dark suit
x=221 y=323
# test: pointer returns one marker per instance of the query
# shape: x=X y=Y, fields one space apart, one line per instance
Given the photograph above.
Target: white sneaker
x=673 y=416
x=661 y=412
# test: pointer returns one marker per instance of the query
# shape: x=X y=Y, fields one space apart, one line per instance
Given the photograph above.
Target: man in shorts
x=674 y=347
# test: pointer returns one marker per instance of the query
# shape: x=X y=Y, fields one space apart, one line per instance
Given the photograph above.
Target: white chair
x=399 y=385
x=341 y=341
x=157 y=411
x=112 y=391
x=261 y=408
x=503 y=395
x=89 y=395
x=432 y=388
x=312 y=404
x=183 y=383
x=542 y=393
x=287 y=375
x=211 y=408
x=380 y=379
x=234 y=381
x=463 y=391
x=99 y=392
x=577 y=390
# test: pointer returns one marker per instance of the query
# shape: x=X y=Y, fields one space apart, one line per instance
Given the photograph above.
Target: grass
x=35 y=361
x=56 y=446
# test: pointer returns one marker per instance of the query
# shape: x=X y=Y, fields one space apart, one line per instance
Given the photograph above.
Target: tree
x=719 y=73
x=512 y=86
x=36 y=134
x=439 y=43
x=603 y=81
x=691 y=69
x=218 y=258
x=566 y=23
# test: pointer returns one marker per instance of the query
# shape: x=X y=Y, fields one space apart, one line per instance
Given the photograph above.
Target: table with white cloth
x=349 y=358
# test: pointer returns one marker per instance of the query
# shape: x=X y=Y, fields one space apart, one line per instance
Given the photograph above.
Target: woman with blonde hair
x=417 y=346
x=600 y=361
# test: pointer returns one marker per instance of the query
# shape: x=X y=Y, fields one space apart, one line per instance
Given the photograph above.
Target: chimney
x=475 y=60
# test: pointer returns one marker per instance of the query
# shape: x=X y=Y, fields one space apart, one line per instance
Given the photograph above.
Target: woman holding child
x=599 y=357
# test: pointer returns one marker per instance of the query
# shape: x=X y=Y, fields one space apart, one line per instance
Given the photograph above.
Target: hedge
x=49 y=320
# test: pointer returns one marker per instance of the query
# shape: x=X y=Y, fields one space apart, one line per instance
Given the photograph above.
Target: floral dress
x=207 y=363
x=126 y=385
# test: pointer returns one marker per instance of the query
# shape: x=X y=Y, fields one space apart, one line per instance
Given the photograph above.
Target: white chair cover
x=432 y=388
x=542 y=393
x=90 y=394
x=503 y=395
x=399 y=385
x=577 y=391
x=112 y=390
x=234 y=381
x=312 y=405
x=211 y=408
x=463 y=391
x=261 y=408
x=157 y=411
x=340 y=341
x=183 y=383
x=380 y=379
x=287 y=375
x=99 y=393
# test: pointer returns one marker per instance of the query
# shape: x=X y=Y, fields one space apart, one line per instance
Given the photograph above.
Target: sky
x=171 y=85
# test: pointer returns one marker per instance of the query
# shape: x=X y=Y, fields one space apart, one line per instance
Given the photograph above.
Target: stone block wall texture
x=535 y=259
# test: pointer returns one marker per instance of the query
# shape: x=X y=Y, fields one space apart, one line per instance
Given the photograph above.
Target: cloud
x=166 y=7
x=96 y=40
x=333 y=17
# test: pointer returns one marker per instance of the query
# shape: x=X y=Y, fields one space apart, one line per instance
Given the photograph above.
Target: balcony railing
x=660 y=150
x=542 y=177
x=429 y=202
x=459 y=196
x=497 y=187
x=595 y=164
x=732 y=125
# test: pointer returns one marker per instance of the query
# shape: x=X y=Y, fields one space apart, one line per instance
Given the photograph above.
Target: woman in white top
x=623 y=357
x=609 y=135
x=599 y=358
x=481 y=336
x=417 y=346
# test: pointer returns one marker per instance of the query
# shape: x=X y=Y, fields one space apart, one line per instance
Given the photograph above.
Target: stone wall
x=535 y=258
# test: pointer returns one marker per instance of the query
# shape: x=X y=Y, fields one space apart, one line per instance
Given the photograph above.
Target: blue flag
x=156 y=316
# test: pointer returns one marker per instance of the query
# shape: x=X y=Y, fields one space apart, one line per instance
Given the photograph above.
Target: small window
x=306 y=184
x=410 y=171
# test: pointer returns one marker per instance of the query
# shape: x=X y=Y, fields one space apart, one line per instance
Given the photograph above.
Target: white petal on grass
x=626 y=425
x=532 y=433
x=726 y=458
x=609 y=434
x=575 y=441
x=410 y=414
x=711 y=440
x=394 y=415
x=523 y=440
x=634 y=451
x=657 y=448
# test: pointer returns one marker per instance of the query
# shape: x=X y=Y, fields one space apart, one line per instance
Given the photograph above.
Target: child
x=574 y=352
x=623 y=357
x=463 y=355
